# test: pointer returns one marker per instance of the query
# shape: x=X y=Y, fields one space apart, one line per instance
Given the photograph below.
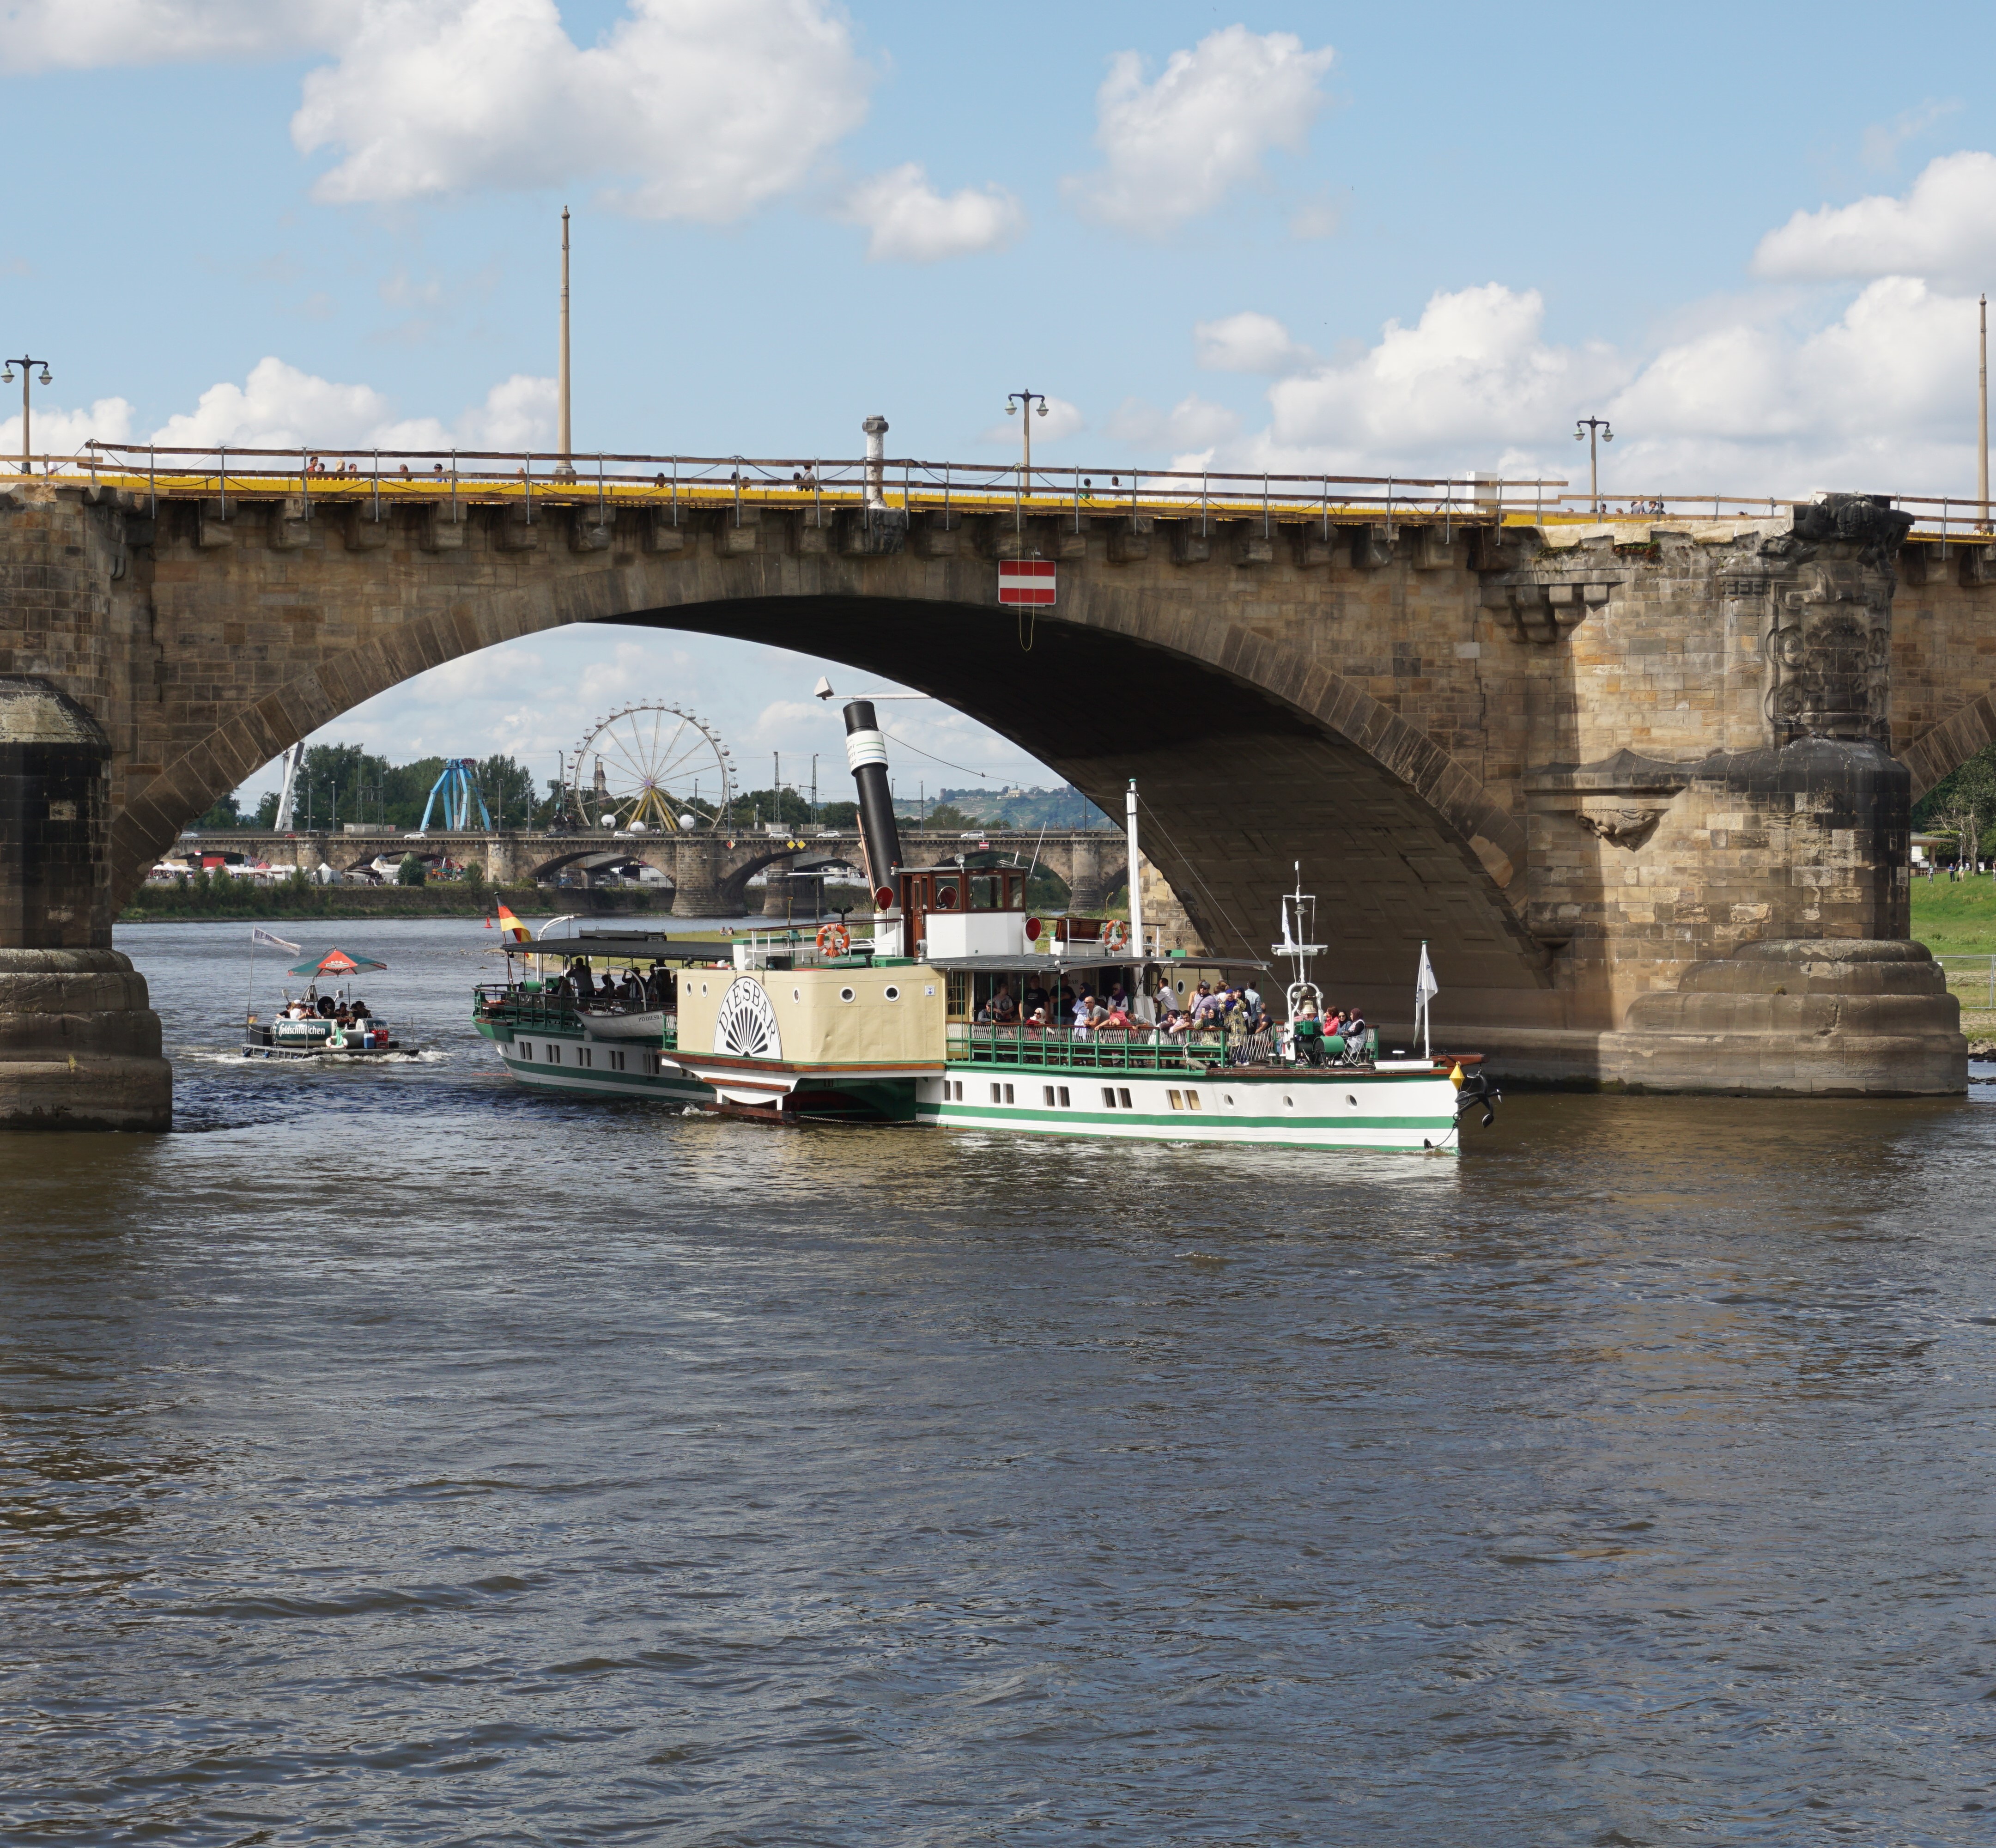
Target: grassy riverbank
x=1957 y=919
x=227 y=900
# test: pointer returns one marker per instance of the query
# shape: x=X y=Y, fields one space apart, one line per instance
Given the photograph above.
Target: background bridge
x=710 y=873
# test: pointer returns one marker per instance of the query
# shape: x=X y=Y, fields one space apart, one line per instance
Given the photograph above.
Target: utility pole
x=1593 y=427
x=27 y=405
x=565 y=469
x=1982 y=421
x=1014 y=402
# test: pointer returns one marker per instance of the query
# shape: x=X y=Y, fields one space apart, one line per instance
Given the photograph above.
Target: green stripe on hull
x=1358 y=1134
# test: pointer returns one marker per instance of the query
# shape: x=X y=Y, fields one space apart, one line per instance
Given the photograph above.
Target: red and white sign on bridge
x=1026 y=581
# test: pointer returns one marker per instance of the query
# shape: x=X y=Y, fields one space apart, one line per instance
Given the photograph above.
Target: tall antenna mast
x=564 y=435
x=1982 y=421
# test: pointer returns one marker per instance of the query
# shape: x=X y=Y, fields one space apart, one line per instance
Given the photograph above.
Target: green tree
x=1963 y=804
x=224 y=814
x=411 y=872
x=949 y=818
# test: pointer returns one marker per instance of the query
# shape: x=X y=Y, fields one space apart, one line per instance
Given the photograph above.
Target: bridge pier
x=696 y=878
x=79 y=1041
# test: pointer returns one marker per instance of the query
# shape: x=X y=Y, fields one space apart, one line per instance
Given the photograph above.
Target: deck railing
x=1140 y=1049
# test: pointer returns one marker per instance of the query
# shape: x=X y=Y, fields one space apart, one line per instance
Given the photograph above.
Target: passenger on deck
x=1083 y=1007
x=1036 y=1022
x=1115 y=1018
x=1035 y=999
x=360 y=1011
x=1308 y=1035
x=1354 y=1037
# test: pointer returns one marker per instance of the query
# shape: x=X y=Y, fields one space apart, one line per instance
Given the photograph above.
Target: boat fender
x=833 y=940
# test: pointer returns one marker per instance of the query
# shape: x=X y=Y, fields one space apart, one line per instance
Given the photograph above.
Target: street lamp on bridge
x=1014 y=402
x=1593 y=427
x=27 y=406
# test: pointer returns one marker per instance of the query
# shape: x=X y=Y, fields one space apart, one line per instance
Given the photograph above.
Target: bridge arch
x=1252 y=754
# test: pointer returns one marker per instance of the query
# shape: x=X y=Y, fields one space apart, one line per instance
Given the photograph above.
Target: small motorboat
x=326 y=1020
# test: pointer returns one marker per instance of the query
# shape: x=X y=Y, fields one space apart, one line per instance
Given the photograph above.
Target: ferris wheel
x=651 y=767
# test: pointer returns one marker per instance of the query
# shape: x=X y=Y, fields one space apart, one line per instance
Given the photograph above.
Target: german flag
x=510 y=926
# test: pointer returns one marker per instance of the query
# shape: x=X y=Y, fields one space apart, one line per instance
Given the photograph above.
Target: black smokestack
x=866 y=754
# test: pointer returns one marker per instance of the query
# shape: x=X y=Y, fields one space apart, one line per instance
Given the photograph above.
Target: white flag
x=1426 y=986
x=258 y=935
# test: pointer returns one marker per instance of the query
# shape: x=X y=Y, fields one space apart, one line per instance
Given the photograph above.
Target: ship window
x=554 y=1056
x=702 y=988
x=845 y=994
x=891 y=994
x=1177 y=1099
x=584 y=1057
x=1125 y=1096
x=1352 y=1101
x=1230 y=1098
x=1064 y=1101
x=1008 y=1093
x=997 y=1094
x=1049 y=1090
x=1191 y=1100
x=1289 y=1103
x=796 y=994
x=1108 y=1098
x=657 y=1064
x=526 y=1049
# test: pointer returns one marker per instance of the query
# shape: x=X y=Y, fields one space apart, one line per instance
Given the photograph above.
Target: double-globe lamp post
x=1591 y=428
x=1014 y=401
x=27 y=405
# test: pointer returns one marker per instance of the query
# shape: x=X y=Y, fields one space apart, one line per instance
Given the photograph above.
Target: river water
x=395 y=1457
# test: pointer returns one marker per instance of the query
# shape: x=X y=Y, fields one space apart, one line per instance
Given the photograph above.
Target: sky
x=1303 y=238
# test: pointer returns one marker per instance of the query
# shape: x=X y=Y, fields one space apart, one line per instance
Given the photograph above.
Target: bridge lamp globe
x=45 y=379
x=688 y=821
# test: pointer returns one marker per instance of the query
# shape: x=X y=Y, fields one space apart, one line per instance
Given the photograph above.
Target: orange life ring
x=1115 y=934
x=833 y=940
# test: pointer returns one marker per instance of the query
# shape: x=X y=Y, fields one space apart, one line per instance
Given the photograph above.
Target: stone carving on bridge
x=1628 y=828
x=1829 y=584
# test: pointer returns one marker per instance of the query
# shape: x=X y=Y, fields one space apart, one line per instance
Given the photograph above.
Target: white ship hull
x=1411 y=1113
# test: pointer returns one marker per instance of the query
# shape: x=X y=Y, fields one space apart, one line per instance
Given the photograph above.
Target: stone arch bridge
x=1614 y=774
x=709 y=873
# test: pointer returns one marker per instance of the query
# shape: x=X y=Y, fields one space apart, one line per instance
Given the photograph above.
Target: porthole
x=845 y=994
x=891 y=994
x=796 y=994
x=1230 y=1098
x=702 y=988
x=1289 y=1103
x=1350 y=1101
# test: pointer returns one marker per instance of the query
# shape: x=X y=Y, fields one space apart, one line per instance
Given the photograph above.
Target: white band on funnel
x=863 y=747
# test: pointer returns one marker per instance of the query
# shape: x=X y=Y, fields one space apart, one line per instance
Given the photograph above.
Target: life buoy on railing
x=1115 y=934
x=833 y=940
x=337 y=1039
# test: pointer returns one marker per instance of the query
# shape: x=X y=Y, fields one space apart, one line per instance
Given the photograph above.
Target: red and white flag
x=1026 y=581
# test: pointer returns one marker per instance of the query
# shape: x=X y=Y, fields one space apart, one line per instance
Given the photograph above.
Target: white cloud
x=1880 y=400
x=1062 y=419
x=1473 y=374
x=1249 y=343
x=1192 y=429
x=697 y=109
x=60 y=432
x=82 y=34
x=1882 y=140
x=911 y=223
x=1176 y=147
x=279 y=407
x=1943 y=229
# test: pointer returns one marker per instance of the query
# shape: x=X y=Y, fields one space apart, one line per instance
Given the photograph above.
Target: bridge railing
x=378 y=478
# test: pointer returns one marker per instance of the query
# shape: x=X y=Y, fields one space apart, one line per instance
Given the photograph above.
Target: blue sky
x=1286 y=235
